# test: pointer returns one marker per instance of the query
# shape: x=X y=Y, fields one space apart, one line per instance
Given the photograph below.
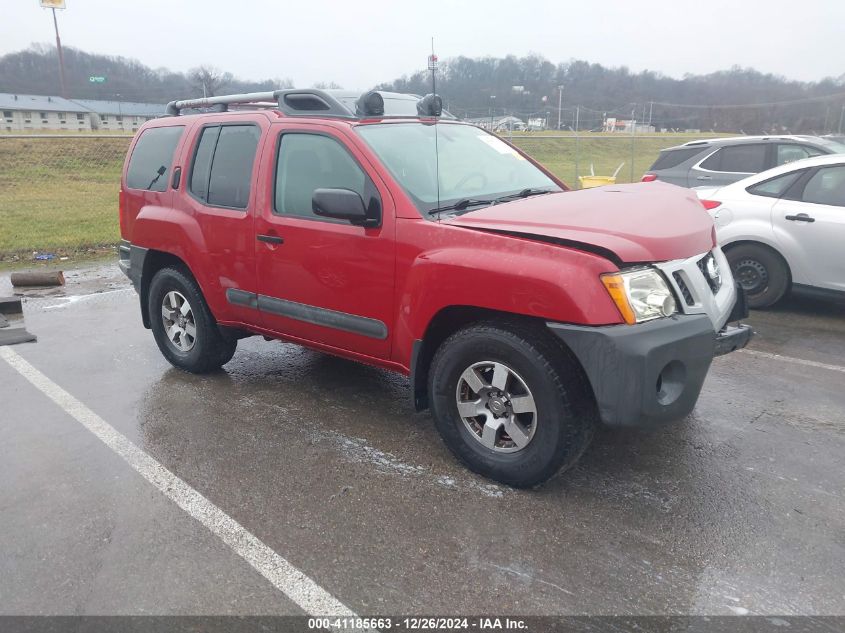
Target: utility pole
x=559 y=104
x=577 y=144
x=492 y=101
x=59 y=47
x=633 y=136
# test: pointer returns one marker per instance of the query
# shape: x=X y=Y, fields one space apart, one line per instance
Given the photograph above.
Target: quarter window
x=149 y=166
x=827 y=186
x=674 y=157
x=746 y=158
x=308 y=162
x=222 y=171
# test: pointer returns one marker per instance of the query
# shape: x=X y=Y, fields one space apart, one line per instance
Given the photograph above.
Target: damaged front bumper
x=652 y=372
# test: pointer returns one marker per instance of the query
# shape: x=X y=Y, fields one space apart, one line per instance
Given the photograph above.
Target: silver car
x=721 y=161
x=784 y=228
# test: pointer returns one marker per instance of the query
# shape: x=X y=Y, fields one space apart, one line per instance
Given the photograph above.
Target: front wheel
x=182 y=325
x=761 y=272
x=510 y=403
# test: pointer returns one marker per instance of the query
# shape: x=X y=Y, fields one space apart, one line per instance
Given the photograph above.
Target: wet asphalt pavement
x=740 y=508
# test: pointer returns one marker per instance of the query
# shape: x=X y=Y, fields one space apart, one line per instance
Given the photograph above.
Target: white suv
x=784 y=228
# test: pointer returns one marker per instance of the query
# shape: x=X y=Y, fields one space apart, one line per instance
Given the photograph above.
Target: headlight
x=641 y=295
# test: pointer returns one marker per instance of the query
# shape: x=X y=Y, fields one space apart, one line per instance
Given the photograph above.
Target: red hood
x=641 y=222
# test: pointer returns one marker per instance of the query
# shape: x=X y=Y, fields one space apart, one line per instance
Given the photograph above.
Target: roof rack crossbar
x=174 y=107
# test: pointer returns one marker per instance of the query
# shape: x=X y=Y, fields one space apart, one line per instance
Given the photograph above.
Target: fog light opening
x=670 y=382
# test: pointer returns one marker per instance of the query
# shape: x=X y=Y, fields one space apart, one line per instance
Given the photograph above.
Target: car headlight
x=641 y=295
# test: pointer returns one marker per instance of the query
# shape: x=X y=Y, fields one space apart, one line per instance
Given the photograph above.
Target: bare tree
x=322 y=85
x=281 y=84
x=208 y=79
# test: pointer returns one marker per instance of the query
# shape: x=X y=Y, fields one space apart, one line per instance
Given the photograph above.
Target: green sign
x=96 y=80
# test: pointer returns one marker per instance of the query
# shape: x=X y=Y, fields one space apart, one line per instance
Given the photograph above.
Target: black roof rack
x=315 y=102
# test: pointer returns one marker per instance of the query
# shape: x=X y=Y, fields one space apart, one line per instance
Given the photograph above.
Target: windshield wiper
x=460 y=205
x=522 y=194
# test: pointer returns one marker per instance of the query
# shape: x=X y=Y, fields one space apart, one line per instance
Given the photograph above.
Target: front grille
x=684 y=288
x=714 y=284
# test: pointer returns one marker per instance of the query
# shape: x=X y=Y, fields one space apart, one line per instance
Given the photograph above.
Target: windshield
x=473 y=163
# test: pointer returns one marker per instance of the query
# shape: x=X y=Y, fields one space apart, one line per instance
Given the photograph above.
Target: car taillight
x=649 y=178
x=710 y=204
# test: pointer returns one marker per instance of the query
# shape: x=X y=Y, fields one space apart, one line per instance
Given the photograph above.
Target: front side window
x=471 y=163
x=222 y=170
x=745 y=158
x=149 y=166
x=775 y=187
x=790 y=152
x=827 y=186
x=312 y=161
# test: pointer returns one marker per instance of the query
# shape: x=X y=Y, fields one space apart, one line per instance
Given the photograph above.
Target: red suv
x=379 y=228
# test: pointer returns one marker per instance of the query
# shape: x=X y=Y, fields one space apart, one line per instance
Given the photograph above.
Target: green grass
x=59 y=195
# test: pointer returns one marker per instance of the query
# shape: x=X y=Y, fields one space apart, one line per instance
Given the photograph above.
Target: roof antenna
x=432 y=66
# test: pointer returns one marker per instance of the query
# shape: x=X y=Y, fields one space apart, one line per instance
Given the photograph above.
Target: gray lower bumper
x=651 y=372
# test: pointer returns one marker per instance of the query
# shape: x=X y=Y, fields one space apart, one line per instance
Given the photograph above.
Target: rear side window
x=775 y=187
x=221 y=174
x=149 y=166
x=308 y=162
x=747 y=158
x=827 y=186
x=673 y=157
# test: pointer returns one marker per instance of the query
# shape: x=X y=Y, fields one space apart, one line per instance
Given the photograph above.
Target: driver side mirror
x=342 y=204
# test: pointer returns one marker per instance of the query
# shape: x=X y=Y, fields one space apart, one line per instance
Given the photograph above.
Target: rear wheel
x=762 y=273
x=183 y=326
x=510 y=403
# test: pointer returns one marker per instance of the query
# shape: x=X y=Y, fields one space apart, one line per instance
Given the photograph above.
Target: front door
x=814 y=226
x=320 y=279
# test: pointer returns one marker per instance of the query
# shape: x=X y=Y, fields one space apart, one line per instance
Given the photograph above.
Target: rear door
x=320 y=279
x=729 y=164
x=811 y=224
x=217 y=201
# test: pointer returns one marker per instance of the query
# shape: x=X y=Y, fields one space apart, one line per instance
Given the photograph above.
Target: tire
x=557 y=432
x=204 y=351
x=761 y=272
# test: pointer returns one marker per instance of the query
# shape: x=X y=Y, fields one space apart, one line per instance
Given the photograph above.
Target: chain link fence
x=58 y=194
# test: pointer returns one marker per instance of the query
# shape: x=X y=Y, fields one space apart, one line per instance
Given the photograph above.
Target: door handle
x=271 y=239
x=704 y=178
x=801 y=217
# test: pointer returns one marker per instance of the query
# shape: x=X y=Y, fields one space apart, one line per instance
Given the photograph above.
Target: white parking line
x=301 y=589
x=790 y=359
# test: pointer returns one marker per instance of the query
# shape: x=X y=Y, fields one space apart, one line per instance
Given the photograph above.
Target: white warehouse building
x=29 y=113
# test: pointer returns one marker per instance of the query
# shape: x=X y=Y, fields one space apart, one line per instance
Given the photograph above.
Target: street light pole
x=61 y=57
x=559 y=104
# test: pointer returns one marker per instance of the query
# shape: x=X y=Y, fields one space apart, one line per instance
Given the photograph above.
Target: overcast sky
x=358 y=44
